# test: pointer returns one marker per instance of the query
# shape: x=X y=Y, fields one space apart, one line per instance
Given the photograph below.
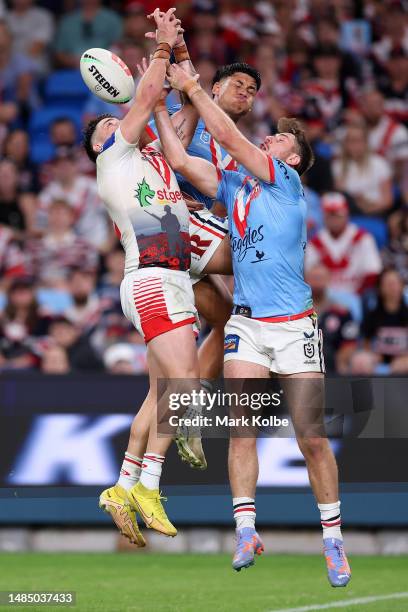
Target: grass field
x=200 y=583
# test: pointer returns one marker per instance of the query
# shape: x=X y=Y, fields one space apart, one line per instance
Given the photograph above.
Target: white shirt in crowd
x=350 y=257
x=91 y=221
x=363 y=180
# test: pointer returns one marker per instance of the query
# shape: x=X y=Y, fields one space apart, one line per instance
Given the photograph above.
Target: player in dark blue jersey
x=273 y=328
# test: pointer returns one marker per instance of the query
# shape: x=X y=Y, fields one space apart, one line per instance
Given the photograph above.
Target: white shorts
x=157 y=300
x=207 y=231
x=285 y=348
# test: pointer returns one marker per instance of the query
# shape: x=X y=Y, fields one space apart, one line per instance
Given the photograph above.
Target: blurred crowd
x=339 y=65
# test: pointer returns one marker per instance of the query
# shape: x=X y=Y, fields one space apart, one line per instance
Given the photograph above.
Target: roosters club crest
x=249 y=191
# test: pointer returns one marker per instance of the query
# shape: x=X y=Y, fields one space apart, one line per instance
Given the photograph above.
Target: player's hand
x=153 y=35
x=142 y=68
x=192 y=205
x=168 y=27
x=178 y=78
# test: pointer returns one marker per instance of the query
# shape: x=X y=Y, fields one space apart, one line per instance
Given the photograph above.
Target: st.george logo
x=144 y=193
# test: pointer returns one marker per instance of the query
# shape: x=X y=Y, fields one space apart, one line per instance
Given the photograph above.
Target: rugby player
x=143 y=199
x=234 y=89
x=273 y=328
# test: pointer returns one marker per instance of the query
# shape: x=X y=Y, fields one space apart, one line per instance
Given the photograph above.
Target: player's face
x=236 y=94
x=106 y=127
x=282 y=146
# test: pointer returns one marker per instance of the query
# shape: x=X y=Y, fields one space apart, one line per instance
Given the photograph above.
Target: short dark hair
x=293 y=126
x=89 y=132
x=226 y=71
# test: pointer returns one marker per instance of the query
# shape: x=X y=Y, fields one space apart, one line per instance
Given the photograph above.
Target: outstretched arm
x=199 y=172
x=184 y=121
x=151 y=85
x=220 y=126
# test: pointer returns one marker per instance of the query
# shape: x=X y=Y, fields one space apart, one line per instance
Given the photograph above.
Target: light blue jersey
x=267 y=224
x=202 y=145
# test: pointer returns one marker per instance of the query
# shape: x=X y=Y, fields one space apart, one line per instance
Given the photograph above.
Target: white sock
x=151 y=470
x=331 y=520
x=244 y=512
x=130 y=471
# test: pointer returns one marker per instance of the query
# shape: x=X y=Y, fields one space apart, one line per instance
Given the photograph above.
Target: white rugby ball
x=107 y=76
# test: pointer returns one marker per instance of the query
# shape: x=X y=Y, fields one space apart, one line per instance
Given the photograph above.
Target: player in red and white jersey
x=349 y=252
x=143 y=199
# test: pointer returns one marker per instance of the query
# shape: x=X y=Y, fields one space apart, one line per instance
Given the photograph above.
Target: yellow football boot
x=148 y=504
x=115 y=501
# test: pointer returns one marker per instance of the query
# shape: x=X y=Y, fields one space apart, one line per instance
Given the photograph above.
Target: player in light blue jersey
x=234 y=89
x=273 y=327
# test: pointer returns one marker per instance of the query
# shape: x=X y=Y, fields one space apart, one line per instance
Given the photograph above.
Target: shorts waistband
x=156 y=271
x=245 y=311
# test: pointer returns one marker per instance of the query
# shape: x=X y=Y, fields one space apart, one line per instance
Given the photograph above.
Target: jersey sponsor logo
x=241 y=246
x=249 y=191
x=144 y=193
x=166 y=196
x=103 y=83
x=205 y=137
x=231 y=343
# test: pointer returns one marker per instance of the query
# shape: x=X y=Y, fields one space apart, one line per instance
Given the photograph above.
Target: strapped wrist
x=191 y=87
x=163 y=51
x=181 y=53
x=160 y=106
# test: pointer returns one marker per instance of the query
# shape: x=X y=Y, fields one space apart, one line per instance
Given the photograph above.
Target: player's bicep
x=201 y=174
x=249 y=156
x=133 y=124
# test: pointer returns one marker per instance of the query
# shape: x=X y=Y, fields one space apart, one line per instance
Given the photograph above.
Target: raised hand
x=153 y=35
x=168 y=26
x=178 y=78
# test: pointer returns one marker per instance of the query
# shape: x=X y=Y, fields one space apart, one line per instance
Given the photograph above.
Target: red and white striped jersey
x=351 y=257
x=389 y=139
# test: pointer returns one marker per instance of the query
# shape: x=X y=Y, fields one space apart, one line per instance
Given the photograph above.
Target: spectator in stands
x=52 y=256
x=86 y=308
x=119 y=359
x=135 y=23
x=65 y=335
x=11 y=213
x=23 y=325
x=16 y=70
x=81 y=193
x=394 y=85
x=362 y=363
x=16 y=148
x=385 y=327
x=349 y=252
x=32 y=28
x=325 y=88
x=340 y=332
x=386 y=136
x=90 y=26
x=12 y=259
x=395 y=253
x=364 y=175
x=55 y=360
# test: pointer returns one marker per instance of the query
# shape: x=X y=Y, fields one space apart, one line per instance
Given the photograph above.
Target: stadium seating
x=39 y=126
x=375 y=226
x=66 y=87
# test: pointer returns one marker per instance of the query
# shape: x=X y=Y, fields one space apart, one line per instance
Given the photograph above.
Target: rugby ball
x=107 y=76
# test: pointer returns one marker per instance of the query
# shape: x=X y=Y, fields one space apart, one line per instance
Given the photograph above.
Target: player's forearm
x=182 y=57
x=172 y=146
x=185 y=123
x=220 y=126
x=151 y=85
